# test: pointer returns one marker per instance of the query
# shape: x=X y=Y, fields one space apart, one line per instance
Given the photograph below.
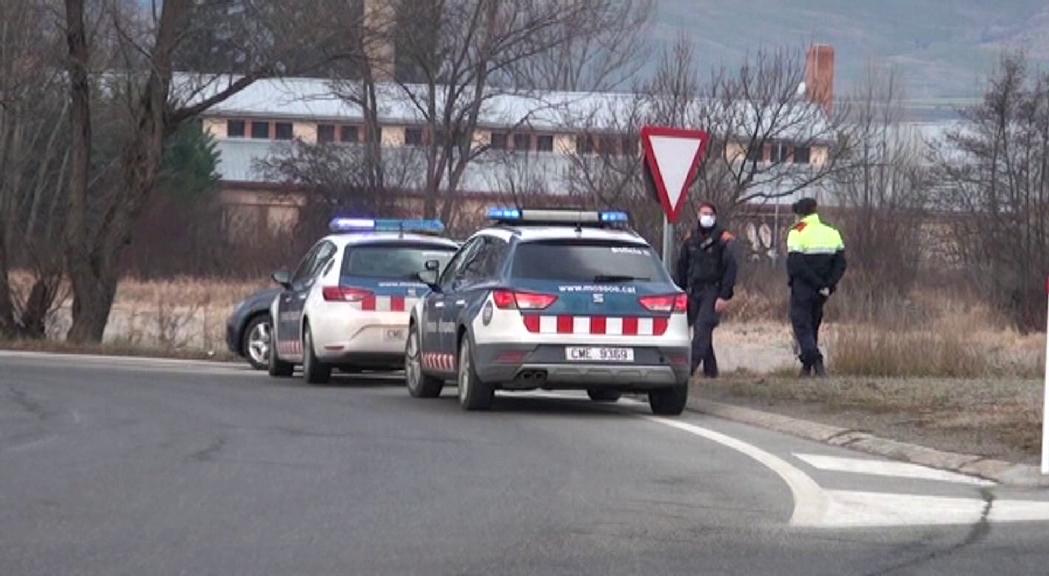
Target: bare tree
x=994 y=174
x=146 y=44
x=768 y=140
x=883 y=187
x=600 y=48
x=33 y=164
x=449 y=55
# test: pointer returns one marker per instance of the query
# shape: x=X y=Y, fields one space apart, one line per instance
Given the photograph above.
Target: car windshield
x=401 y=261
x=587 y=262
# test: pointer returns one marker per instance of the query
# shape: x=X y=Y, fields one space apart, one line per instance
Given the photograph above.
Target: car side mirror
x=282 y=277
x=429 y=277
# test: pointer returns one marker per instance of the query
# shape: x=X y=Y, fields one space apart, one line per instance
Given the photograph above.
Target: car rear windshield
x=576 y=261
x=399 y=261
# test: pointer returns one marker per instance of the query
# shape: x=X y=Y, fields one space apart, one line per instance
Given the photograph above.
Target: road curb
x=1000 y=471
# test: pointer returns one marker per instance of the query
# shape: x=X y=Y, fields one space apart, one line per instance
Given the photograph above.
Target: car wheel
x=473 y=394
x=419 y=384
x=313 y=370
x=277 y=367
x=255 y=344
x=599 y=395
x=669 y=401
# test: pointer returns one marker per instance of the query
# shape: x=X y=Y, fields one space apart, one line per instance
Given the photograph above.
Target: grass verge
x=992 y=417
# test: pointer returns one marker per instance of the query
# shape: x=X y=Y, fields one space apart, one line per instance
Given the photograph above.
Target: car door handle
x=438 y=305
x=460 y=303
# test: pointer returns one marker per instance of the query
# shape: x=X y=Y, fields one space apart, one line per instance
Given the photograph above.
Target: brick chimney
x=378 y=16
x=819 y=76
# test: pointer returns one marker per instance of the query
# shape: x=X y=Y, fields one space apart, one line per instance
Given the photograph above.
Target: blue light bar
x=504 y=214
x=343 y=225
x=618 y=217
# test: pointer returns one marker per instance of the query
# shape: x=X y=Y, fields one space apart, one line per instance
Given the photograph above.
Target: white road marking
x=875 y=467
x=872 y=509
x=810 y=501
x=815 y=507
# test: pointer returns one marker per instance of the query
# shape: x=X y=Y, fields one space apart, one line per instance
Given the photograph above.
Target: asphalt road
x=114 y=466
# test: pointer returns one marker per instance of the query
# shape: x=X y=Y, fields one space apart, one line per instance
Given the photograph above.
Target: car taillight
x=344 y=294
x=508 y=299
x=665 y=303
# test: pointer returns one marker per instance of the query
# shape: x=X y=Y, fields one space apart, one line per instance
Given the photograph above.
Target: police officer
x=815 y=263
x=706 y=269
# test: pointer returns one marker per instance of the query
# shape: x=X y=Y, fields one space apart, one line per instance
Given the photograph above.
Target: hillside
x=943 y=47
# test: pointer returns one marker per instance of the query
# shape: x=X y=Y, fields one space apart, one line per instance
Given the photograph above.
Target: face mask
x=707 y=220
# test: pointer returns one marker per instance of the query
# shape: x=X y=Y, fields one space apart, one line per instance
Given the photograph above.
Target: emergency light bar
x=345 y=225
x=578 y=217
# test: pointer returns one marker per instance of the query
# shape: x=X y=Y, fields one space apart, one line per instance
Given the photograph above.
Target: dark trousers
x=806 y=315
x=703 y=319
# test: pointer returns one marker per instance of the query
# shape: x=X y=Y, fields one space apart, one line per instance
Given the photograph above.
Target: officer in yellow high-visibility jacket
x=815 y=263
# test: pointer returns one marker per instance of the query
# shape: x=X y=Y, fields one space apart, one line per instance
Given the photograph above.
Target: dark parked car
x=249 y=328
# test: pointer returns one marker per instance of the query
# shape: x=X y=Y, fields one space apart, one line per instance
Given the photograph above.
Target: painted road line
x=848 y=509
x=810 y=501
x=876 y=467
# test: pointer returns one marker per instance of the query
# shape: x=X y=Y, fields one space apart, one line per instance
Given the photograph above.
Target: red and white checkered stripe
x=596 y=325
x=289 y=347
x=442 y=362
x=375 y=303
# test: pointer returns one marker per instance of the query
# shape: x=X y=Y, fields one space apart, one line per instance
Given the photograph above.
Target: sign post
x=1045 y=397
x=672 y=160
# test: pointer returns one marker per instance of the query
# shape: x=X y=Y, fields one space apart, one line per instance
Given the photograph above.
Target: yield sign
x=673 y=157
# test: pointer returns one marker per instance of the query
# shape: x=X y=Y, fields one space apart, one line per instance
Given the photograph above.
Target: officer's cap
x=805 y=206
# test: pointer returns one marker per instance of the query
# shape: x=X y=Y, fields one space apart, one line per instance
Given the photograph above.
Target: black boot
x=818 y=369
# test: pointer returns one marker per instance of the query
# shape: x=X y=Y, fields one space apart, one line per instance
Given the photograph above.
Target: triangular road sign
x=673 y=157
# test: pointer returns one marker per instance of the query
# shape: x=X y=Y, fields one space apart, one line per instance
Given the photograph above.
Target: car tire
x=419 y=384
x=473 y=393
x=669 y=401
x=313 y=370
x=256 y=341
x=599 y=395
x=277 y=367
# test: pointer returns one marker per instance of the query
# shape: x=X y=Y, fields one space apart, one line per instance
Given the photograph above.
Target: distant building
x=545 y=129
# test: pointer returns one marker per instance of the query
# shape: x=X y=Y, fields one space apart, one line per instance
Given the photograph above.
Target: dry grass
x=184 y=315
x=999 y=417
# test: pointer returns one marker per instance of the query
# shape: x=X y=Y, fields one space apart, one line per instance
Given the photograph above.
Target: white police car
x=551 y=299
x=347 y=304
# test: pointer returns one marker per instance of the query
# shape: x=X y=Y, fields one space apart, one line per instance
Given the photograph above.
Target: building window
x=629 y=145
x=584 y=145
x=802 y=154
x=756 y=152
x=260 y=130
x=234 y=128
x=413 y=136
x=283 y=131
x=522 y=142
x=498 y=141
x=609 y=145
x=325 y=133
x=544 y=143
x=349 y=134
x=780 y=153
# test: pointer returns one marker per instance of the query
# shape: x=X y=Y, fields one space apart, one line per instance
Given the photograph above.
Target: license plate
x=590 y=354
x=394 y=335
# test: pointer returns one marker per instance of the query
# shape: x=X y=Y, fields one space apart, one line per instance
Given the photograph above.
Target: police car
x=347 y=304
x=551 y=299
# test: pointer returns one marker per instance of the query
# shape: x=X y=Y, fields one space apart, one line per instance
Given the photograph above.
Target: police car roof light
x=344 y=225
x=577 y=217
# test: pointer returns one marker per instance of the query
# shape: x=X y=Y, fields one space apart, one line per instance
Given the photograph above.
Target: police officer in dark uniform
x=706 y=269
x=815 y=263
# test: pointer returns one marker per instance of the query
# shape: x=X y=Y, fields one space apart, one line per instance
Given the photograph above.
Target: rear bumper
x=527 y=366
x=233 y=337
